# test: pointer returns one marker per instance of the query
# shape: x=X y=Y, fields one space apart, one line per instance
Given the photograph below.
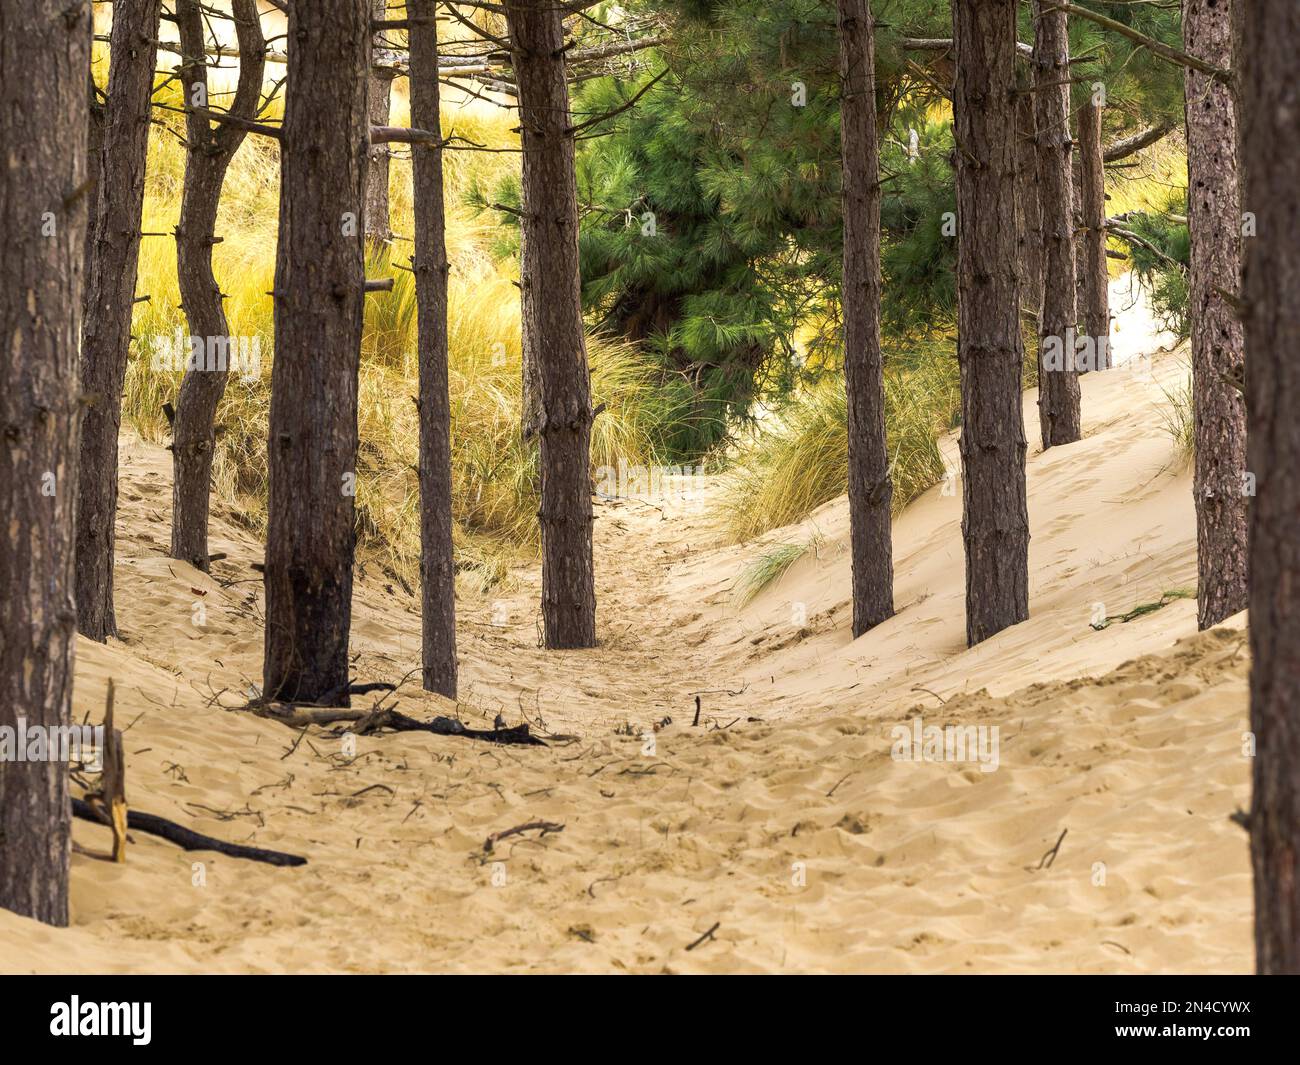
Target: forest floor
x=780 y=822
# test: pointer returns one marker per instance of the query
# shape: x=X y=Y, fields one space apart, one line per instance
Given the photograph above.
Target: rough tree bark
x=44 y=61
x=437 y=569
x=1095 y=311
x=1031 y=217
x=870 y=488
x=211 y=148
x=1059 y=416
x=319 y=289
x=531 y=404
x=995 y=522
x=379 y=230
x=94 y=149
x=553 y=322
x=1215 y=224
x=1271 y=127
x=108 y=301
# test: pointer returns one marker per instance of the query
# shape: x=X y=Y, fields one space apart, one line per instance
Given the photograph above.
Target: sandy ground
x=782 y=819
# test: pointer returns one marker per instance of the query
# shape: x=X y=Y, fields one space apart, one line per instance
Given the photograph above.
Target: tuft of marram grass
x=1178 y=419
x=786 y=471
x=768 y=567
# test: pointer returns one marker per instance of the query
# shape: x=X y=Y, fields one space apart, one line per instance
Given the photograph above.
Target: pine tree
x=1031 y=209
x=44 y=64
x=995 y=523
x=109 y=300
x=1058 y=383
x=870 y=489
x=379 y=230
x=1215 y=223
x=553 y=325
x=1271 y=156
x=437 y=568
x=208 y=154
x=1094 y=273
x=319 y=291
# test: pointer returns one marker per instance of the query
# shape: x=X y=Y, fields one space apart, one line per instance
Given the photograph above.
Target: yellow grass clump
x=784 y=472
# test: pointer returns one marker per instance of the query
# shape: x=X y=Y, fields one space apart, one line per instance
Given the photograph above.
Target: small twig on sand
x=707 y=935
x=546 y=827
x=591 y=888
x=1050 y=856
x=294 y=747
x=838 y=783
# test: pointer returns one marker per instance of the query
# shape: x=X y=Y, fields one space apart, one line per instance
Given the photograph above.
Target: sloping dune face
x=841 y=805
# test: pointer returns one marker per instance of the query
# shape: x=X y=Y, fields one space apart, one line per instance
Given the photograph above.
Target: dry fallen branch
x=375 y=720
x=1047 y=859
x=186 y=838
x=707 y=935
x=546 y=827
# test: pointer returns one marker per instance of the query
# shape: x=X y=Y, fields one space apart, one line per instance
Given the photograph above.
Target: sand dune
x=782 y=819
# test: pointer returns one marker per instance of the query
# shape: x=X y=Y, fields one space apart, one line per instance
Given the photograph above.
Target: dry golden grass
x=494 y=472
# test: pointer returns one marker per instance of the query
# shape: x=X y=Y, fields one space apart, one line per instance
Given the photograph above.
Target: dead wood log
x=187 y=839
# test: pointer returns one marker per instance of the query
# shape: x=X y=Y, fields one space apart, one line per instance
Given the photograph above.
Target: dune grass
x=786 y=470
x=494 y=472
x=1178 y=418
x=770 y=565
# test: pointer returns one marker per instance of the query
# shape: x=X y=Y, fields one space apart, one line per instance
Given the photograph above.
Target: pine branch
x=1127 y=146
x=1164 y=51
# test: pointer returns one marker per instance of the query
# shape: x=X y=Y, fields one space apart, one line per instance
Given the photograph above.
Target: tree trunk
x=870 y=489
x=210 y=151
x=553 y=327
x=1215 y=224
x=437 y=569
x=44 y=61
x=1271 y=120
x=94 y=150
x=109 y=300
x=319 y=289
x=1095 y=312
x=995 y=523
x=1031 y=218
x=1058 y=382
x=531 y=412
x=379 y=231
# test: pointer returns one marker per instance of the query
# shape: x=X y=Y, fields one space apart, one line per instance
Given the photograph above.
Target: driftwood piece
x=368 y=721
x=185 y=838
